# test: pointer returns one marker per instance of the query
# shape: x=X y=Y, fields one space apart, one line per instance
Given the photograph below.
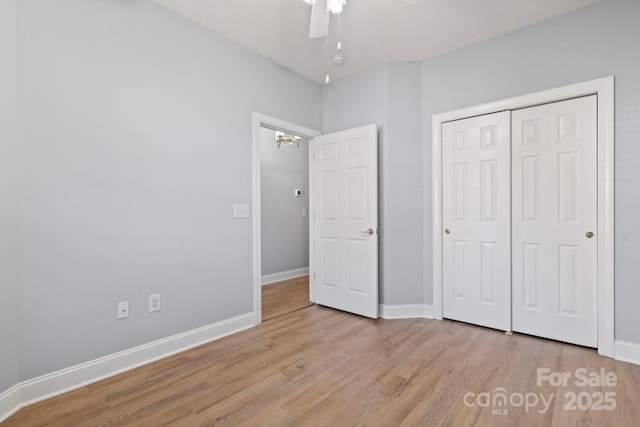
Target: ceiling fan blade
x=319 y=26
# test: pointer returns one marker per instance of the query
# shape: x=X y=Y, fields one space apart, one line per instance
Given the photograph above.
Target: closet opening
x=524 y=215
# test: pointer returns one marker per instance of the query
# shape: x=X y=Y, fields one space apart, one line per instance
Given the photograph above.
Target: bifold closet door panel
x=554 y=220
x=476 y=219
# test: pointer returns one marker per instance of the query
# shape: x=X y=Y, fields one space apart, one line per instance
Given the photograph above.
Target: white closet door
x=554 y=221
x=476 y=217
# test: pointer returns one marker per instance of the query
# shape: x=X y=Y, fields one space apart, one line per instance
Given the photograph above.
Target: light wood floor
x=317 y=366
x=284 y=297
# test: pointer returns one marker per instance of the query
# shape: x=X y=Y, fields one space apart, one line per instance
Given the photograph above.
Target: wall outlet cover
x=123 y=310
x=154 y=303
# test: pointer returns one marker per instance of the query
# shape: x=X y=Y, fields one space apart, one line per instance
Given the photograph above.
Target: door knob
x=370 y=231
x=589 y=234
x=447 y=231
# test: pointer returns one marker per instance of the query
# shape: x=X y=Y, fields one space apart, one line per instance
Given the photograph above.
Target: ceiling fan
x=321 y=11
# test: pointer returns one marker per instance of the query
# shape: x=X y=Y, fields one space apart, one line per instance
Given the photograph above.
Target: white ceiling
x=372 y=31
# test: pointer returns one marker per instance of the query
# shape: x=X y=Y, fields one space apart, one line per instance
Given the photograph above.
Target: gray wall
x=137 y=142
x=402 y=178
x=356 y=100
x=9 y=303
x=594 y=42
x=285 y=232
x=389 y=96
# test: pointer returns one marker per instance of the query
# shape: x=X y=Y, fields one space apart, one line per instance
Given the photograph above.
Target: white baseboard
x=65 y=380
x=10 y=402
x=627 y=352
x=406 y=311
x=277 y=277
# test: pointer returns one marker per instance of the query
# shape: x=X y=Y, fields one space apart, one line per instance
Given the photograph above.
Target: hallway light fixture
x=287 y=139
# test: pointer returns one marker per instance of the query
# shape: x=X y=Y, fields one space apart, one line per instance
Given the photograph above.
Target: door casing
x=604 y=89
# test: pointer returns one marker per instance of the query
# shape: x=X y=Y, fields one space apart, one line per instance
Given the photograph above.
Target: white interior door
x=476 y=213
x=554 y=221
x=345 y=191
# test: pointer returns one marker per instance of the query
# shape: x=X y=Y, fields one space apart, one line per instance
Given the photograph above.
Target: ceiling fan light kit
x=335 y=6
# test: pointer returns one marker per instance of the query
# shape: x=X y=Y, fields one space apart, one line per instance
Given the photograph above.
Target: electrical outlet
x=123 y=310
x=154 y=303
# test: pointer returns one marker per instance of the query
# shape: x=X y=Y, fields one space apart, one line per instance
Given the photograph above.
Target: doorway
x=280 y=227
x=601 y=93
x=342 y=212
x=284 y=177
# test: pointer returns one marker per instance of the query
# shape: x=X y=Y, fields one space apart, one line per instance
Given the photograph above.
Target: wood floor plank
x=318 y=366
x=284 y=297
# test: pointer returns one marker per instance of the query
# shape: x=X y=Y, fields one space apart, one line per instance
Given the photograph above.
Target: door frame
x=604 y=89
x=262 y=120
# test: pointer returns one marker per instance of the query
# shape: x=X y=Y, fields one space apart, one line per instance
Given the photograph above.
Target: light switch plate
x=241 y=211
